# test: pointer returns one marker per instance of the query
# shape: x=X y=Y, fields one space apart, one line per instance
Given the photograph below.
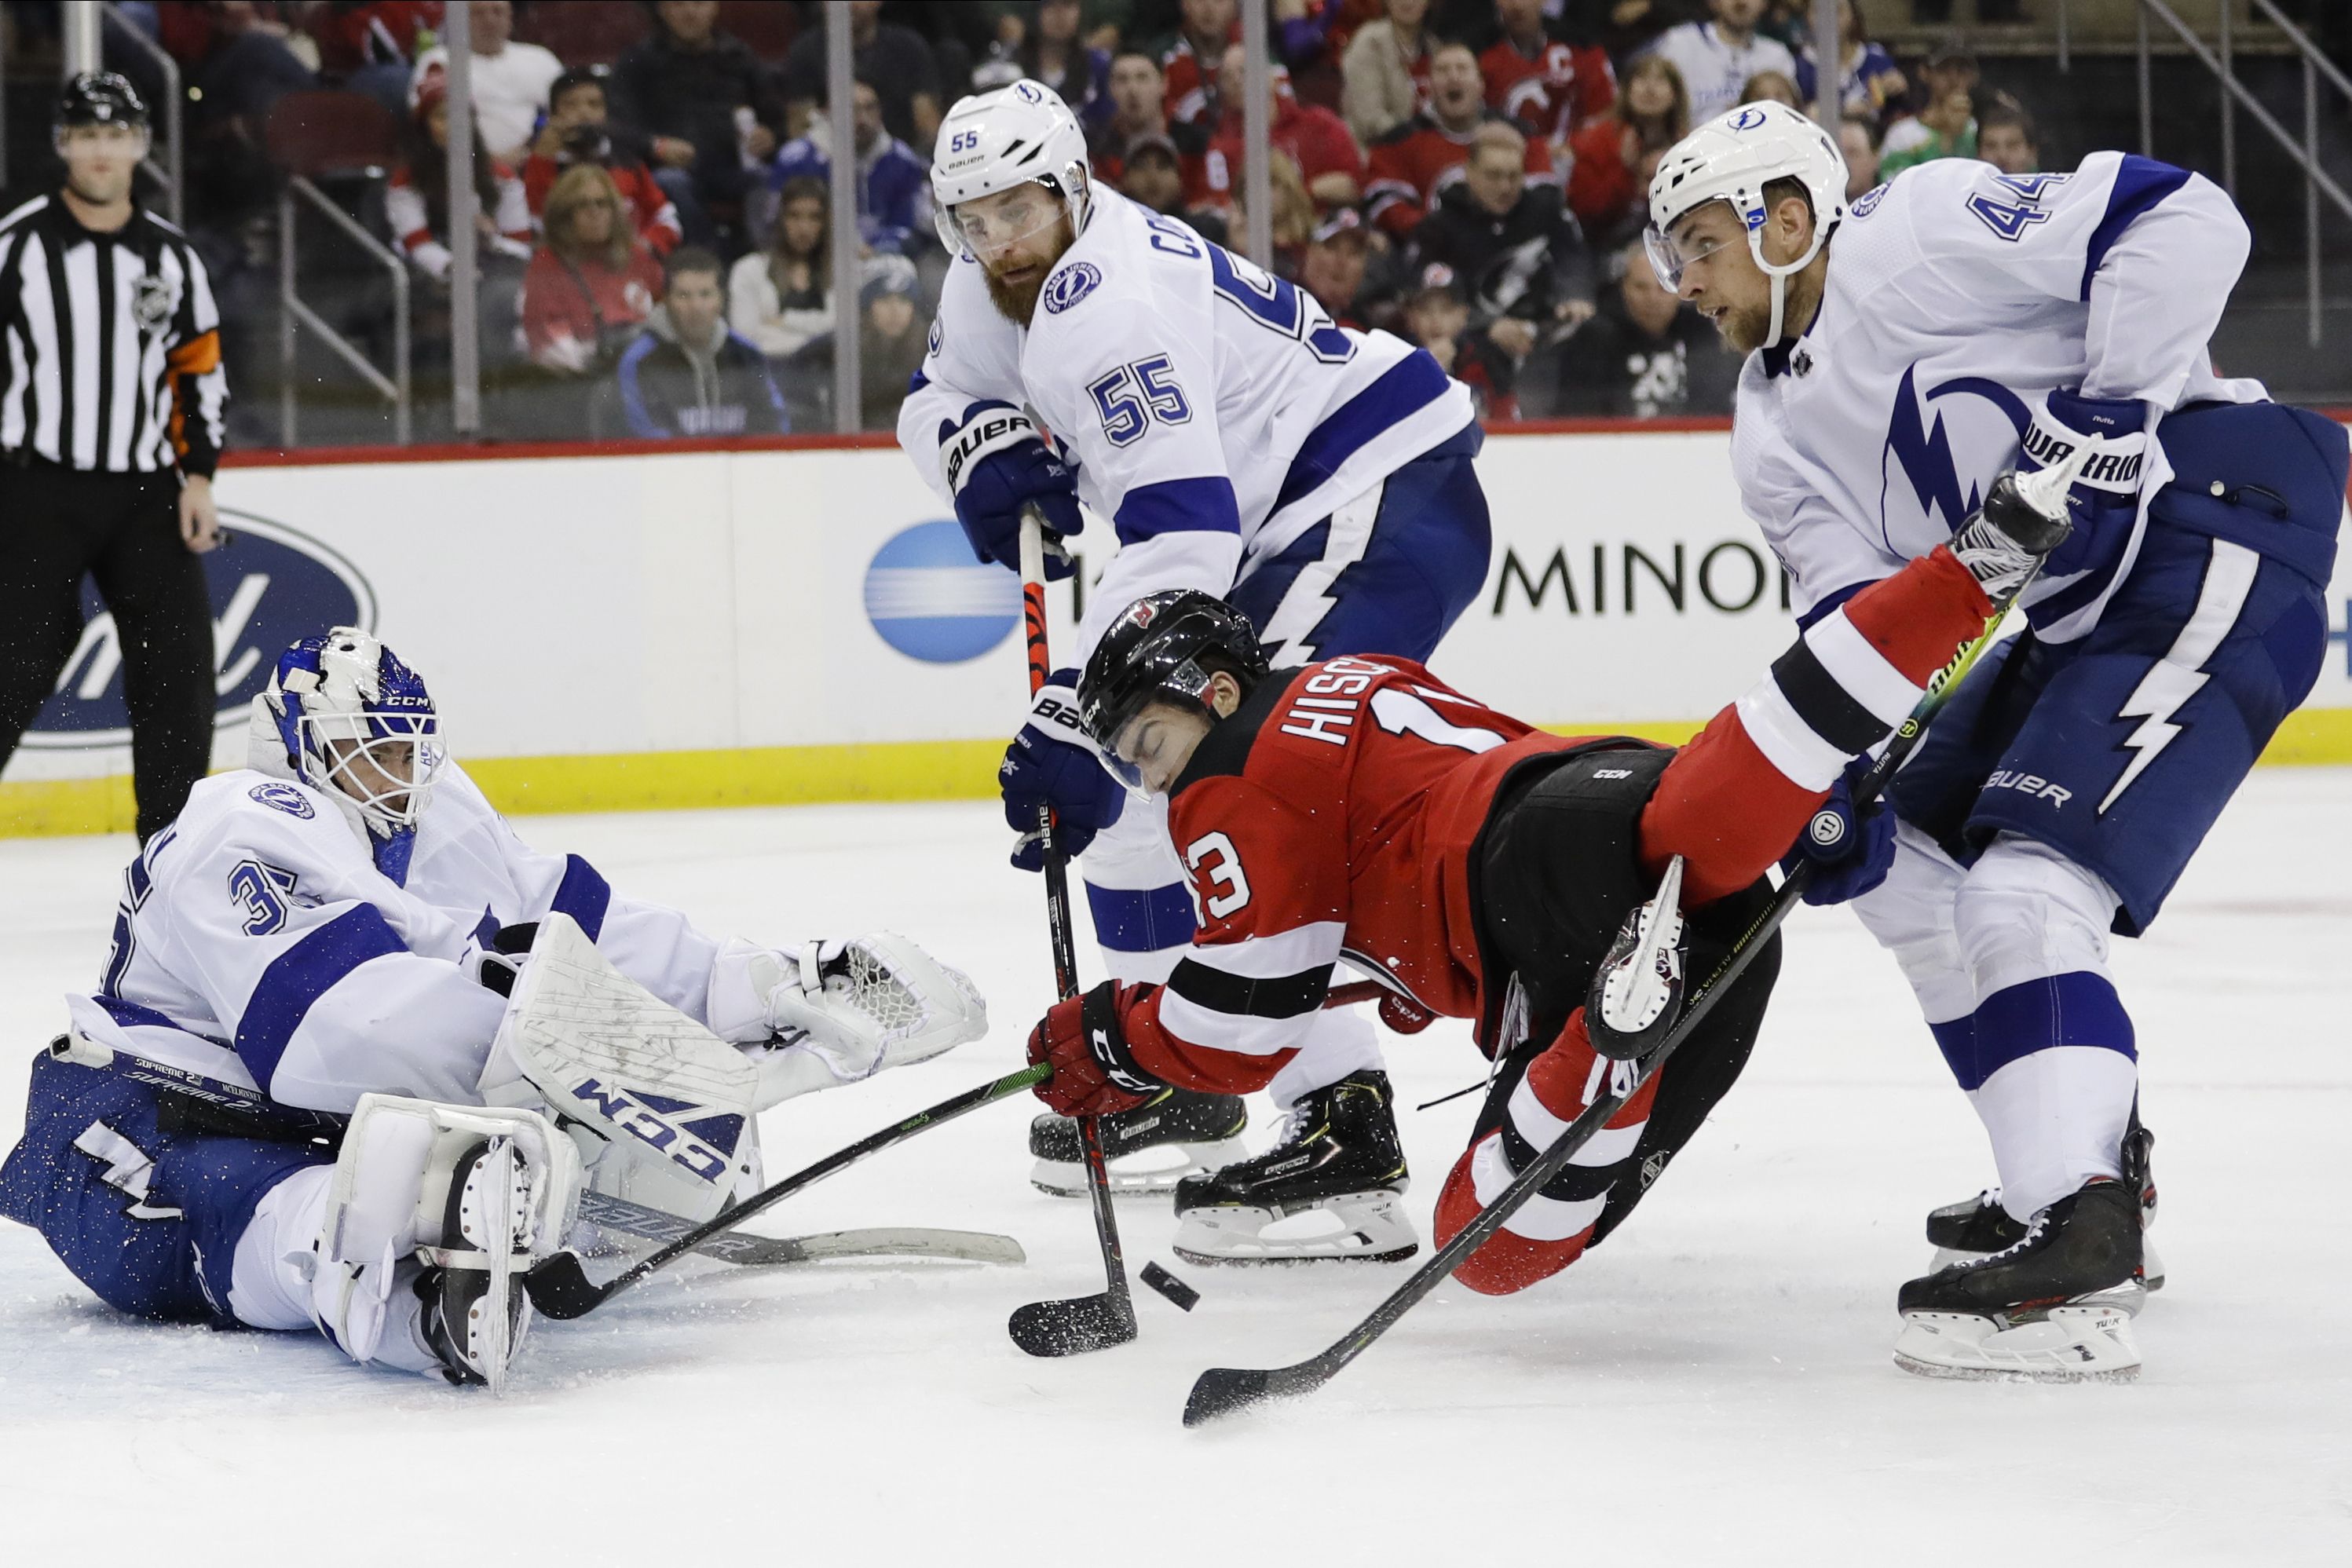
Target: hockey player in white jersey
x=1902 y=353
x=1237 y=441
x=308 y=929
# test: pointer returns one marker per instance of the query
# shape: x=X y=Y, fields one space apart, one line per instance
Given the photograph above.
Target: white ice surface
x=1711 y=1387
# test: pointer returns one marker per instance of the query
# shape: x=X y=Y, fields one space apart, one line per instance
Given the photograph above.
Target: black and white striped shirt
x=109 y=344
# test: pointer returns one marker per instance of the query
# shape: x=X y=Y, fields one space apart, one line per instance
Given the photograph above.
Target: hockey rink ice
x=1711 y=1387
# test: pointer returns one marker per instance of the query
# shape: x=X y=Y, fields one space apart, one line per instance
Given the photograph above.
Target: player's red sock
x=1507 y=1262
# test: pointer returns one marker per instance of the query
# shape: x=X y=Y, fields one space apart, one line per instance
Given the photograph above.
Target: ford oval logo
x=270 y=586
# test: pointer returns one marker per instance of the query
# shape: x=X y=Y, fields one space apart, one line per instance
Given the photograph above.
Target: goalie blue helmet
x=355 y=723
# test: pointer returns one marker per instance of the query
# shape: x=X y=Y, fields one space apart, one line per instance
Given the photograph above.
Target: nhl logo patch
x=152 y=303
x=1070 y=284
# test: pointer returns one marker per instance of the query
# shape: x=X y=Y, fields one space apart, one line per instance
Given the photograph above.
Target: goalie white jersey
x=1213 y=411
x=1957 y=298
x=256 y=944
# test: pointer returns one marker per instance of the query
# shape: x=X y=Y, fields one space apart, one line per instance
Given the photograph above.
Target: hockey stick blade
x=616 y=1214
x=560 y=1286
x=1074 y=1327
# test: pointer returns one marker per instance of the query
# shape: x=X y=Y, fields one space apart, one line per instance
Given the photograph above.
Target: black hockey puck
x=1168 y=1285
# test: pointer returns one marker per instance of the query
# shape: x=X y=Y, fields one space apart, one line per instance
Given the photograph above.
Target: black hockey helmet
x=101 y=98
x=1163 y=648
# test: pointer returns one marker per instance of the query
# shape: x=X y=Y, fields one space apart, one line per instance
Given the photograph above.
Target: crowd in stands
x=654 y=181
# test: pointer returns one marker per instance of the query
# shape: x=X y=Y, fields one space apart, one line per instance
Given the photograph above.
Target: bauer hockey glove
x=1093 y=1075
x=1054 y=762
x=1850 y=849
x=2104 y=499
x=995 y=465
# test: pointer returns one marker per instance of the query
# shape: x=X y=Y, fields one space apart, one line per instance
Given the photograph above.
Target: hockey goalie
x=489 y=1029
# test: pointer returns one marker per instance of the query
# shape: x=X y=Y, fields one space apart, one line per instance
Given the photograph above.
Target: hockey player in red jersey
x=1360 y=809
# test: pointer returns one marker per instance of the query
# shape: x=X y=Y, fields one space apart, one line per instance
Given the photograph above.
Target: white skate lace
x=2033 y=1229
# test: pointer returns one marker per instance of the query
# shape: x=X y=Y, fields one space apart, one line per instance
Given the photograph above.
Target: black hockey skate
x=1978 y=1227
x=2056 y=1305
x=1174 y=1134
x=1337 y=1153
x=474 y=1310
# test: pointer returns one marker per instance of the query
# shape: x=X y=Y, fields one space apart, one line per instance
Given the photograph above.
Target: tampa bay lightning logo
x=283 y=797
x=1920 y=482
x=1748 y=119
x=1028 y=92
x=1867 y=202
x=938 y=336
x=1070 y=284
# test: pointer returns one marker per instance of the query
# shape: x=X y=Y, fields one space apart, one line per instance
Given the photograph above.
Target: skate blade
x=1142 y=1173
x=1372 y=1230
x=2070 y=1344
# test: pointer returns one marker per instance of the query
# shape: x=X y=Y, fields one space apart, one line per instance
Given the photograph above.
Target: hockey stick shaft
x=1057 y=910
x=1222 y=1390
x=559 y=1286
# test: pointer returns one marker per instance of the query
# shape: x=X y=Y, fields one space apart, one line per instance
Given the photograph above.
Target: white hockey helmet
x=353 y=721
x=992 y=141
x=1731 y=158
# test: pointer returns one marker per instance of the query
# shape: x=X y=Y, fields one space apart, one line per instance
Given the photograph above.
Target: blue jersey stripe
x=300 y=977
x=1407 y=387
x=1176 y=506
x=1141 y=920
x=2140 y=184
x=583 y=894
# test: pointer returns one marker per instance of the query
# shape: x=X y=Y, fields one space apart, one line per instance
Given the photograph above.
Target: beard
x=1016 y=303
x=1744 y=329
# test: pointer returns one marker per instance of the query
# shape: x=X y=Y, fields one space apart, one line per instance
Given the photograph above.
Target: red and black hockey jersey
x=1335 y=816
x=1409 y=166
x=1552 y=92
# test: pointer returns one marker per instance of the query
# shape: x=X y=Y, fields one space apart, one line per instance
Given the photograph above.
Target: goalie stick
x=560 y=1286
x=1074 y=1325
x=1223 y=1390
x=771 y=1251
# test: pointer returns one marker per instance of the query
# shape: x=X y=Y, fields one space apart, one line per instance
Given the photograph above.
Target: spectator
x=245 y=69
x=1717 y=58
x=1643 y=354
x=1437 y=318
x=1191 y=83
x=704 y=99
x=890 y=344
x=579 y=131
x=2005 y=139
x=687 y=376
x=1858 y=141
x=1513 y=250
x=1945 y=127
x=416 y=198
x=1772 y=87
x=1335 y=269
x=511 y=81
x=1869 y=82
x=1612 y=157
x=1153 y=174
x=591 y=281
x=1385 y=72
x=895 y=58
x=368 y=47
x=893 y=184
x=1316 y=139
x=1628 y=27
x=1139 y=100
x=1550 y=86
x=1052 y=53
x=781 y=299
x=1413 y=164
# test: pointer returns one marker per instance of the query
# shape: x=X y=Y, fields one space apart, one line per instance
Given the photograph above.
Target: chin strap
x=1779 y=276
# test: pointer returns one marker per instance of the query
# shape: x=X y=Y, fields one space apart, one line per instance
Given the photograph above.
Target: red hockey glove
x=1093 y=1075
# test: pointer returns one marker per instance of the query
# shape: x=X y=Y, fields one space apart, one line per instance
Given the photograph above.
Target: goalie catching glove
x=1093 y=1073
x=841 y=1011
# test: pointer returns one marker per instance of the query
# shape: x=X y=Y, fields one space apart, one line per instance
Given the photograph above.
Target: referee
x=111 y=398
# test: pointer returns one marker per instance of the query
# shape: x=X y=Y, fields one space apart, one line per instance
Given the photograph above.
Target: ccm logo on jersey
x=640 y=1121
x=2032 y=784
x=1330 y=699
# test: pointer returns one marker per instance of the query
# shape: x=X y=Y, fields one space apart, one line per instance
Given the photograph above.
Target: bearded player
x=1359 y=810
x=1089 y=350
x=1951 y=324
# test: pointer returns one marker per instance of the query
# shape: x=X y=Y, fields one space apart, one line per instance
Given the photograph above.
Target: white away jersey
x=1957 y=298
x=257 y=943
x=1214 y=411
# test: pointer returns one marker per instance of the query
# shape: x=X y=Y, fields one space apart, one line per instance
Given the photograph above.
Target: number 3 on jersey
x=1213 y=856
